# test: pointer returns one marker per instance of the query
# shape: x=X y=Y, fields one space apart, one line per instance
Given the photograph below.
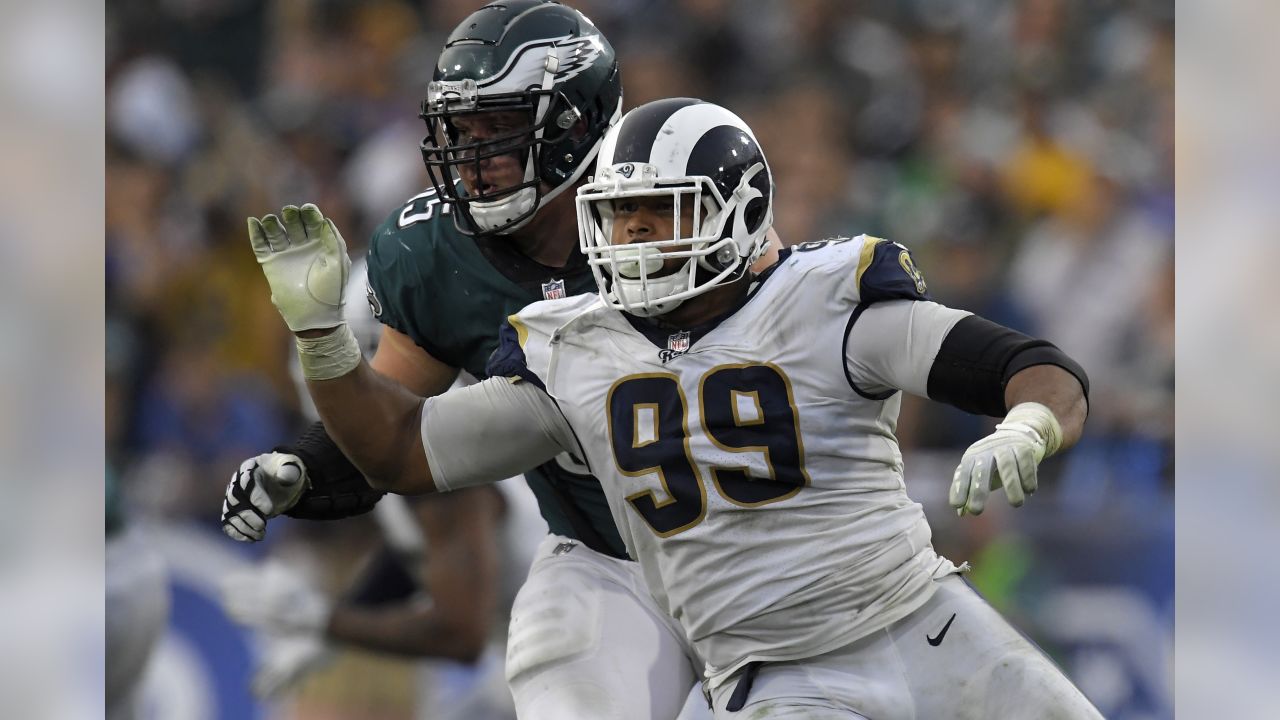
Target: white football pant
x=927 y=666
x=588 y=641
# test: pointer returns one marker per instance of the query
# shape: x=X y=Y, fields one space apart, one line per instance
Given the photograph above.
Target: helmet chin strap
x=554 y=192
x=494 y=214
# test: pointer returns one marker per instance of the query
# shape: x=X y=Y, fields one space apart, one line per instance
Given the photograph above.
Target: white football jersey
x=752 y=467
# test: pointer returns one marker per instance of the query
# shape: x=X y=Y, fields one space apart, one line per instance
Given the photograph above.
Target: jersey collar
x=663 y=336
x=526 y=273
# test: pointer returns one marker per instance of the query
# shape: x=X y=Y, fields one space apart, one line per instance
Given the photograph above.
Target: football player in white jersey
x=742 y=427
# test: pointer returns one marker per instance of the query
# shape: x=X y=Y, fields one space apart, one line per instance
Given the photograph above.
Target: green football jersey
x=451 y=293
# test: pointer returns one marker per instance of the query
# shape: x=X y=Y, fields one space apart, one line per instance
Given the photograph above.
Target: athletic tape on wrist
x=329 y=356
x=1041 y=419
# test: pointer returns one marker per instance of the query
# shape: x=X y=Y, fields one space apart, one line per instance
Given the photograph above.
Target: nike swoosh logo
x=937 y=639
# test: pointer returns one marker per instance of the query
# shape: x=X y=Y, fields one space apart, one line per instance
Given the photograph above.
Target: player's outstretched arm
x=1047 y=408
x=377 y=423
x=1046 y=400
x=372 y=419
x=980 y=367
x=310 y=478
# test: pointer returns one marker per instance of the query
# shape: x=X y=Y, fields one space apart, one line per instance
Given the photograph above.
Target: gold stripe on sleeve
x=865 y=257
x=522 y=332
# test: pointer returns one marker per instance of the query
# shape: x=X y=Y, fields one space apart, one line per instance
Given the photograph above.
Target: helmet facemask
x=550 y=126
x=725 y=237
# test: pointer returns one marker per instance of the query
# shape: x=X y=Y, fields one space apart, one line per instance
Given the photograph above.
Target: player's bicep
x=401 y=359
x=490 y=431
x=892 y=345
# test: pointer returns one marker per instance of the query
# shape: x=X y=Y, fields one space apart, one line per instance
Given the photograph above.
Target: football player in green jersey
x=524 y=91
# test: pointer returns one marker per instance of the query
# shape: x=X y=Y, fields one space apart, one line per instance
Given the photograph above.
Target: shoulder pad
x=881 y=270
x=886 y=271
x=525 y=339
x=508 y=359
x=403 y=253
x=411 y=233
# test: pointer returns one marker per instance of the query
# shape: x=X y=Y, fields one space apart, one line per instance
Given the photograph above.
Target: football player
x=523 y=93
x=741 y=425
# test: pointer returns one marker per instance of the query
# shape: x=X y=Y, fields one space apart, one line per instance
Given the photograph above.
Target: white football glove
x=285 y=661
x=276 y=599
x=262 y=488
x=1008 y=457
x=306 y=264
x=279 y=603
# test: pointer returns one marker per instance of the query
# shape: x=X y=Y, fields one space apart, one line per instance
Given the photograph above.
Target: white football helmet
x=692 y=152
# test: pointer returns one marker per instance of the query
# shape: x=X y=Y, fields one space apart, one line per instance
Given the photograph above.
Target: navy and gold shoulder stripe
x=508 y=359
x=886 y=271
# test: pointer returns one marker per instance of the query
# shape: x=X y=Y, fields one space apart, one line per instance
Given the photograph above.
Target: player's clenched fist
x=1008 y=457
x=306 y=264
x=262 y=488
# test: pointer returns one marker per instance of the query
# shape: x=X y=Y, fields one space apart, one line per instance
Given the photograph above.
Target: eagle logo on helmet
x=565 y=58
x=575 y=55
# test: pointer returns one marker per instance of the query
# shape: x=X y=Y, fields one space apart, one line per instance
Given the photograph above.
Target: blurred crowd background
x=1023 y=150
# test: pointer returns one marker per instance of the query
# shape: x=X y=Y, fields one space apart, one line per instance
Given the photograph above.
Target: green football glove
x=306 y=264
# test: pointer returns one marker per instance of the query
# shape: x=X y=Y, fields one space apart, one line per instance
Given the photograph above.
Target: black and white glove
x=264 y=487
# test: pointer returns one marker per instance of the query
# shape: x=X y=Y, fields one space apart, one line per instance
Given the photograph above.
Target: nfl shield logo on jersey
x=677 y=345
x=553 y=290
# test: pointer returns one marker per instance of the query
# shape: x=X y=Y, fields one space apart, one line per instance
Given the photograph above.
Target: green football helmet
x=540 y=62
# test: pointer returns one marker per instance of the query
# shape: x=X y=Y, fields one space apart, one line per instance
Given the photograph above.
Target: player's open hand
x=305 y=260
x=1008 y=457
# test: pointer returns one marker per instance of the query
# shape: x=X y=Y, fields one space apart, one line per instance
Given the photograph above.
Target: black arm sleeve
x=335 y=488
x=977 y=359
